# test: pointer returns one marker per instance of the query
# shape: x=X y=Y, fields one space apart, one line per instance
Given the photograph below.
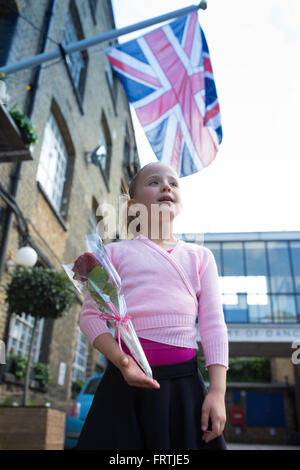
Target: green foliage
x=24 y=125
x=10 y=402
x=18 y=365
x=42 y=373
x=40 y=292
x=98 y=281
x=249 y=369
x=39 y=370
x=243 y=369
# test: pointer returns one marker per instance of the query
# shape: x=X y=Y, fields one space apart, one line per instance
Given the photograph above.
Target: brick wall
x=61 y=240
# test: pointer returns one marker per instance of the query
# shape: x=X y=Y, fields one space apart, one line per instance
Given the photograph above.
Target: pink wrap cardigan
x=166 y=293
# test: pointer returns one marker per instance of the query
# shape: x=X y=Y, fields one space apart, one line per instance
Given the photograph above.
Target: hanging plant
x=41 y=293
x=24 y=125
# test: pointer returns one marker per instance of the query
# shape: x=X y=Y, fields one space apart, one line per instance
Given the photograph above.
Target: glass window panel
x=20 y=335
x=298 y=306
x=256 y=263
x=280 y=270
x=259 y=308
x=284 y=309
x=233 y=259
x=236 y=311
x=81 y=354
x=53 y=163
x=243 y=284
x=75 y=59
x=295 y=252
x=215 y=248
x=256 y=284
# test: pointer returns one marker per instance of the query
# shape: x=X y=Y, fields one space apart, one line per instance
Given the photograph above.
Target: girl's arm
x=98 y=334
x=214 y=339
x=132 y=373
x=213 y=408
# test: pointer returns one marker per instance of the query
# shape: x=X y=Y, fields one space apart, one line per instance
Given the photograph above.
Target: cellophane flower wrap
x=93 y=273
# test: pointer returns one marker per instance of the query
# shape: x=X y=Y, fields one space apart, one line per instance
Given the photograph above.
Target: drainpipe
x=29 y=107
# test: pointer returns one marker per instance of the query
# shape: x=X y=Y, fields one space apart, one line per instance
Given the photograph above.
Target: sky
x=254 y=182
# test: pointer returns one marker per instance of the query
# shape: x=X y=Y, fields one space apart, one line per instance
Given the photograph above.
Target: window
x=92 y=222
x=112 y=85
x=77 y=61
x=8 y=23
x=81 y=354
x=298 y=306
x=295 y=252
x=256 y=263
x=93 y=7
x=92 y=386
x=94 y=217
x=20 y=332
x=215 y=248
x=280 y=269
x=233 y=259
x=52 y=167
x=284 y=308
x=105 y=142
x=126 y=148
x=258 y=301
x=235 y=307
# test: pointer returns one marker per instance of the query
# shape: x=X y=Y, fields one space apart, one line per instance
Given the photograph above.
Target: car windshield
x=92 y=386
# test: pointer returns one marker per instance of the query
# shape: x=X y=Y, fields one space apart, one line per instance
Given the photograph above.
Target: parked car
x=79 y=410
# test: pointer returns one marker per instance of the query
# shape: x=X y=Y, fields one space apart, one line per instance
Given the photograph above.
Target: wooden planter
x=32 y=428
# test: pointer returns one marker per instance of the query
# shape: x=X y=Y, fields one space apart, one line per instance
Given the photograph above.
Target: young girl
x=167 y=284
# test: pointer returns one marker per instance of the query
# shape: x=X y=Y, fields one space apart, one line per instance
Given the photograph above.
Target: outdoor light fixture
x=26 y=256
x=96 y=155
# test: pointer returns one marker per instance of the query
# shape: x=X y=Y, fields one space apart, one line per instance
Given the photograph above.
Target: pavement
x=235 y=446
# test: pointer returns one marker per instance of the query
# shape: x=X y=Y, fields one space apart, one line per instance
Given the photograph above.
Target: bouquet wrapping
x=94 y=273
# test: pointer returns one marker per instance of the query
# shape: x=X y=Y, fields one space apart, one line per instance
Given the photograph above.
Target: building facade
x=259 y=275
x=85 y=157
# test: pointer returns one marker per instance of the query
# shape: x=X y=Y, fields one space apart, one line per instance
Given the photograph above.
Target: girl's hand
x=214 y=408
x=134 y=375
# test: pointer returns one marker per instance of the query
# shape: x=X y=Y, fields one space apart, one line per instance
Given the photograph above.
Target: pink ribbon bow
x=117 y=319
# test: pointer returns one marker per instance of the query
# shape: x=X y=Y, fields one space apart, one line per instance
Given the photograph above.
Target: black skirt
x=123 y=417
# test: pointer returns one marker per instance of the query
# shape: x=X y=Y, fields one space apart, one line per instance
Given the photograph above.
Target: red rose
x=83 y=265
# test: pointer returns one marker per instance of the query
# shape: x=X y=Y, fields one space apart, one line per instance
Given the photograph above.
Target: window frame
x=53 y=143
x=79 y=88
x=26 y=321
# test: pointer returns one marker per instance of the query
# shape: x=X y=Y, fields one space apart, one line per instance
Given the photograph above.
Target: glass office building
x=259 y=275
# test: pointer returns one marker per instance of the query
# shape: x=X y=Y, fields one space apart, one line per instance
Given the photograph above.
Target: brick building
x=76 y=105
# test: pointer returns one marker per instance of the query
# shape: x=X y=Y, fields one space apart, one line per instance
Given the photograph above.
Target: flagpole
x=89 y=42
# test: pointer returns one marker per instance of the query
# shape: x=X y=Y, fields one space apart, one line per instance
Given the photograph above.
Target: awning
x=12 y=147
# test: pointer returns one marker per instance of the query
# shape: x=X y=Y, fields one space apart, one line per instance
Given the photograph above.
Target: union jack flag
x=168 y=77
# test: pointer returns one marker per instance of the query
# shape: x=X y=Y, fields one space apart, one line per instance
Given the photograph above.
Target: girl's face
x=159 y=184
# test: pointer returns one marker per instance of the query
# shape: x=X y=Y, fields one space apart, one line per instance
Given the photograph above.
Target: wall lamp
x=96 y=155
x=26 y=257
